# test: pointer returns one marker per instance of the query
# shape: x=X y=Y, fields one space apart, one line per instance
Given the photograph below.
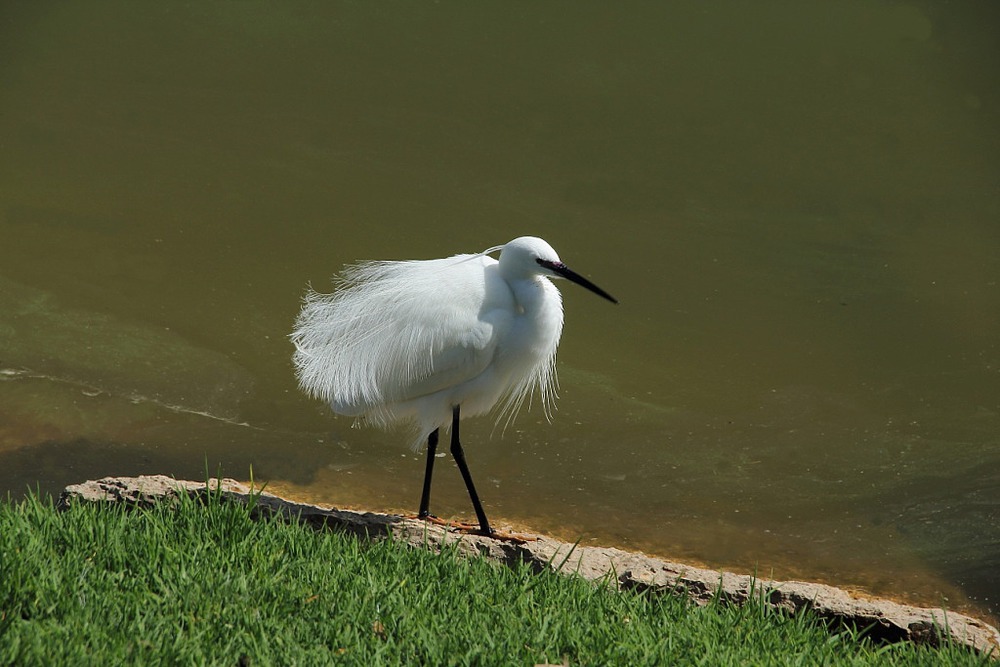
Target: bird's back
x=393 y=332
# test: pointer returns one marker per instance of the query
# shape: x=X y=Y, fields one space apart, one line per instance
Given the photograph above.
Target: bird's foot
x=505 y=536
x=473 y=529
x=457 y=525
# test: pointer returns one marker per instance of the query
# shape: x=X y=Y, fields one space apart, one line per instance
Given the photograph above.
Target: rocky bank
x=889 y=621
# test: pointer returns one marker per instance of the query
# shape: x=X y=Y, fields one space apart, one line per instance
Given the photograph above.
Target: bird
x=425 y=342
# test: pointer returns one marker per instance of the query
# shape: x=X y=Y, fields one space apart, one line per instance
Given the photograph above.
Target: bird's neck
x=531 y=294
x=538 y=301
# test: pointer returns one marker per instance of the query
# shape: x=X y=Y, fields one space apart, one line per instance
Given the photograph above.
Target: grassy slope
x=206 y=585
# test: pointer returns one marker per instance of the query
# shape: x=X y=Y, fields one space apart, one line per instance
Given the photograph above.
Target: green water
x=796 y=205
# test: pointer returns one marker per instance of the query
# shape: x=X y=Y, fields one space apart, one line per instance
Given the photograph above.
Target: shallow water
x=796 y=206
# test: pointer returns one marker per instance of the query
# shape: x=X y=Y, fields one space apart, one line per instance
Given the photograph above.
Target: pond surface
x=797 y=206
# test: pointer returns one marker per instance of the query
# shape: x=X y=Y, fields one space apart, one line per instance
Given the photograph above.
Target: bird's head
x=530 y=255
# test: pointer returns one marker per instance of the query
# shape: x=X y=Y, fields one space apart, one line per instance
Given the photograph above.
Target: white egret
x=422 y=341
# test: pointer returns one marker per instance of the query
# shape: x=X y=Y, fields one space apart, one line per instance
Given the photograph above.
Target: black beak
x=564 y=271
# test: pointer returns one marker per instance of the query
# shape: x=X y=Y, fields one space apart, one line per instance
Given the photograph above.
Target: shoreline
x=889 y=621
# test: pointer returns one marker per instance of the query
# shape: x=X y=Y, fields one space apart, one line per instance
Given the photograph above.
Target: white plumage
x=413 y=341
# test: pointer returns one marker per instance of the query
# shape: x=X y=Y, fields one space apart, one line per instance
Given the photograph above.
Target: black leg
x=425 y=496
x=459 y=456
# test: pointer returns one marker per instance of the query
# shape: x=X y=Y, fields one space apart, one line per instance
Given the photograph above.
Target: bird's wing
x=395 y=331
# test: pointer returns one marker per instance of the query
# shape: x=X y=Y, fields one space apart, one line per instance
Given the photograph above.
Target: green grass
x=206 y=584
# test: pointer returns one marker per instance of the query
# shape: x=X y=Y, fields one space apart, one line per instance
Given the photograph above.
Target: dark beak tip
x=607 y=296
x=573 y=276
